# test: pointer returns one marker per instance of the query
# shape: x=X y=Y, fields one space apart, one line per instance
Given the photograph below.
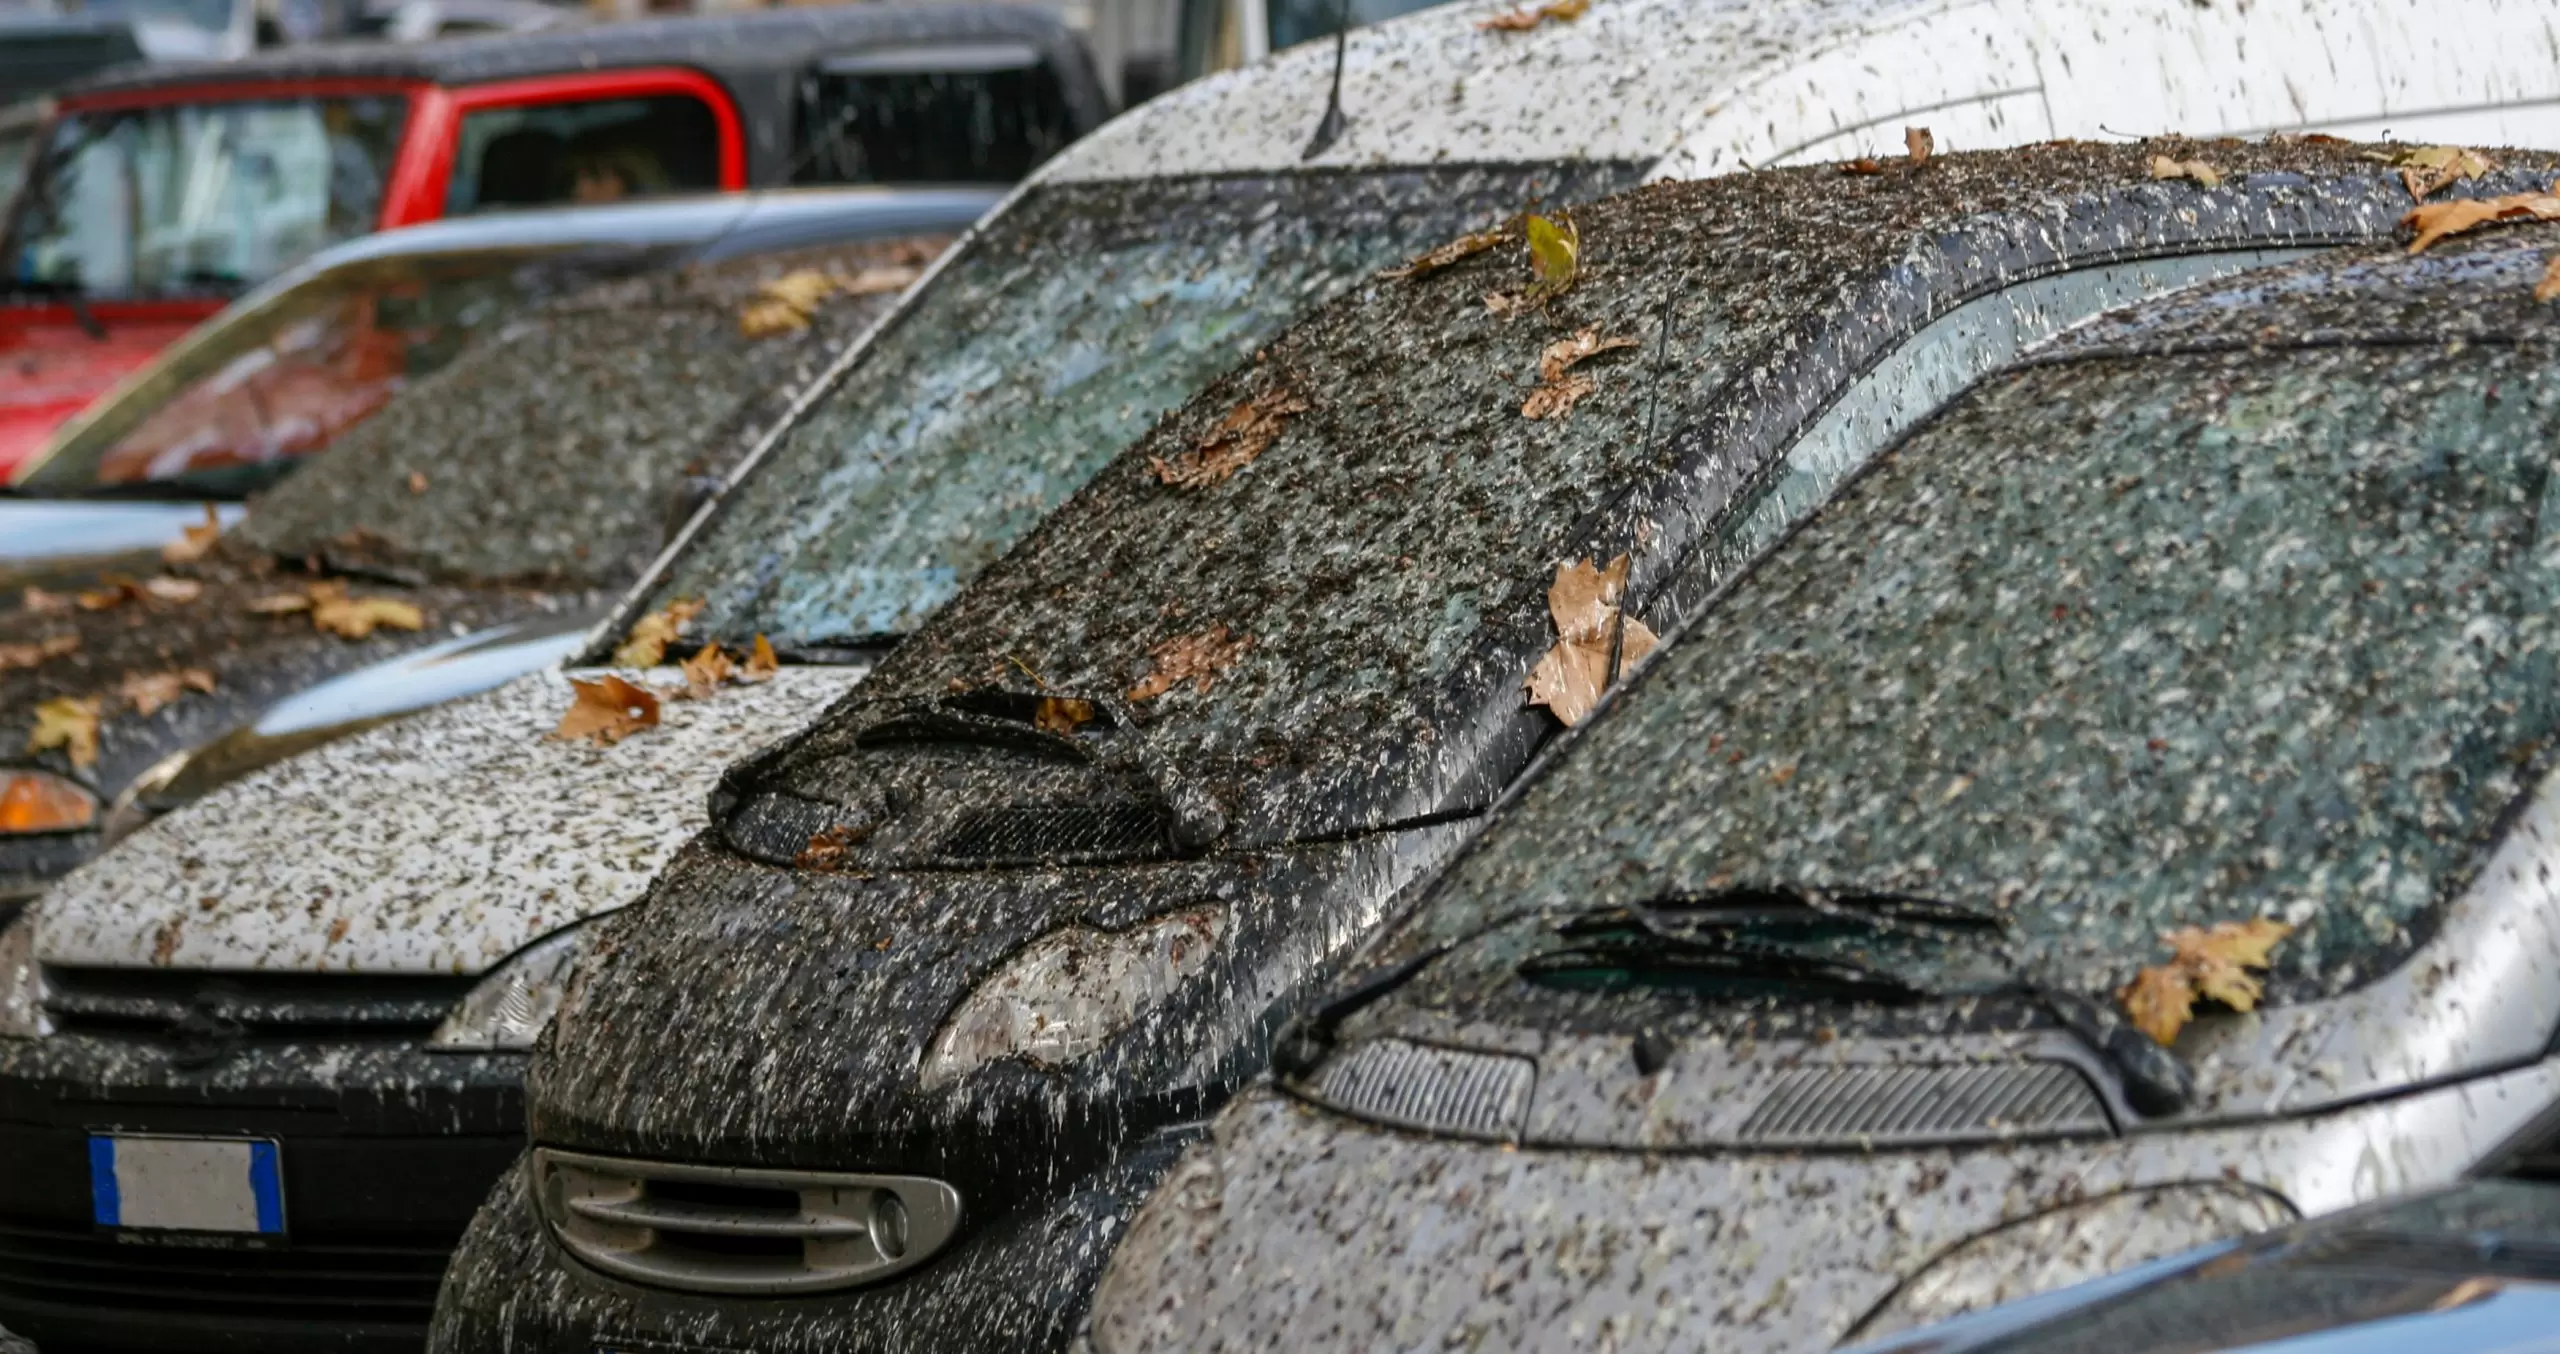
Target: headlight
x=2072 y=1244
x=21 y=985
x=1062 y=996
x=510 y=1006
x=40 y=801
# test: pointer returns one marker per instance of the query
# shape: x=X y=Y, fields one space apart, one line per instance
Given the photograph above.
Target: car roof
x=721 y=44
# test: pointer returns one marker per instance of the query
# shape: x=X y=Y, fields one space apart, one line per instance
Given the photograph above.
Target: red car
x=161 y=192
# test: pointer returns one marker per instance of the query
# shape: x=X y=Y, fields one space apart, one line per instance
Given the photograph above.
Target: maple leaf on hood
x=1584 y=602
x=607 y=710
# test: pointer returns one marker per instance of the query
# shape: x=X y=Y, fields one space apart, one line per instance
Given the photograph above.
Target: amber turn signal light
x=38 y=801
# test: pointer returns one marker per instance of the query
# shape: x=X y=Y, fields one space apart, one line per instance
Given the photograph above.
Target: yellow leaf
x=2159 y=1001
x=358 y=617
x=1522 y=20
x=2434 y=221
x=607 y=710
x=69 y=723
x=193 y=542
x=646 y=645
x=1240 y=438
x=1555 y=255
x=2427 y=170
x=762 y=662
x=147 y=693
x=2204 y=963
x=2162 y=167
x=1194 y=658
x=706 y=671
x=116 y=593
x=43 y=650
x=784 y=305
x=1584 y=602
x=1465 y=246
x=1919 y=144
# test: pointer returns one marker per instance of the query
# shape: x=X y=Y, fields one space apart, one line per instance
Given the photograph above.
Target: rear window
x=602 y=151
x=977 y=113
x=2114 y=647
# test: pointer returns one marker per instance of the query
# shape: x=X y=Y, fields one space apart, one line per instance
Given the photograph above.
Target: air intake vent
x=722 y=1229
x=1475 y=1095
x=101 y=1001
x=1861 y=1105
x=1067 y=834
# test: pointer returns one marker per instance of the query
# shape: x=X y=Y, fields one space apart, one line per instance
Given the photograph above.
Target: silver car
x=1781 y=1006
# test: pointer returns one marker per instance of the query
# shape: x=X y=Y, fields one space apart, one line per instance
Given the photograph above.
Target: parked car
x=2466 y=1270
x=1781 y=1007
x=504 y=499
x=1087 y=837
x=163 y=191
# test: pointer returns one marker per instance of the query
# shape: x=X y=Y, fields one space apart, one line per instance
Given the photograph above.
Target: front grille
x=1064 y=834
x=725 y=1229
x=1442 y=1090
x=294 y=1280
x=106 y=1001
x=1861 y=1105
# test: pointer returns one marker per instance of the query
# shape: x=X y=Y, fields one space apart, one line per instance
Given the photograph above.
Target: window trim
x=444 y=109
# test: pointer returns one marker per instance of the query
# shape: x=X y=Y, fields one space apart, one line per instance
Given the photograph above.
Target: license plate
x=176 y=1184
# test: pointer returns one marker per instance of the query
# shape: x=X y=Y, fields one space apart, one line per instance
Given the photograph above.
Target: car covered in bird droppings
x=2122 y=819
x=1086 y=838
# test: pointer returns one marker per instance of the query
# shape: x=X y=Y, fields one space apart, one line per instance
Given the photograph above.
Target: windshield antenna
x=1652 y=406
x=1329 y=130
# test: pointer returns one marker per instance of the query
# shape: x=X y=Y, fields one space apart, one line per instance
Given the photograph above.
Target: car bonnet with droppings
x=1780 y=1007
x=1041 y=889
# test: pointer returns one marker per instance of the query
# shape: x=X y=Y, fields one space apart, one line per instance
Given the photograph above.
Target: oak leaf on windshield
x=1195 y=658
x=2163 y=167
x=2428 y=170
x=1464 y=247
x=607 y=710
x=1559 y=388
x=69 y=723
x=1522 y=20
x=193 y=542
x=2204 y=963
x=646 y=644
x=2434 y=221
x=1240 y=438
x=1596 y=640
x=147 y=692
x=42 y=651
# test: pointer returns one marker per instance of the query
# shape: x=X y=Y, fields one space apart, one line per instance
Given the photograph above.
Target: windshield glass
x=231 y=408
x=893 y=117
x=194 y=198
x=211 y=15
x=1054 y=341
x=2113 y=647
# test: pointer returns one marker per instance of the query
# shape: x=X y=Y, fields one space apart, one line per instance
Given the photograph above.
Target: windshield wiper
x=1653 y=954
x=830 y=651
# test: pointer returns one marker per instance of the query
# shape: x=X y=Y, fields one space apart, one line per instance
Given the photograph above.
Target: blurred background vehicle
x=159 y=192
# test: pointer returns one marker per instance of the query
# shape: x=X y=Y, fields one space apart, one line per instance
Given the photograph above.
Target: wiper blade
x=832 y=650
x=1877 y=909
x=1647 y=953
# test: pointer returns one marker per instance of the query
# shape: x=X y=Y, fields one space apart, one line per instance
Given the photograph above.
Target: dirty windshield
x=189 y=198
x=2114 y=647
x=1050 y=344
x=232 y=407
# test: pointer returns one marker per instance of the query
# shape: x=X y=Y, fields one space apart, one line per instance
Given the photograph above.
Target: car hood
x=440 y=844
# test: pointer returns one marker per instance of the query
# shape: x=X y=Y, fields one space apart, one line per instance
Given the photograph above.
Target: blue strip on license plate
x=182 y=1184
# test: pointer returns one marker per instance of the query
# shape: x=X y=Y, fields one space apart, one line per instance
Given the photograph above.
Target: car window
x=182 y=198
x=1053 y=341
x=2113 y=647
x=603 y=150
x=980 y=113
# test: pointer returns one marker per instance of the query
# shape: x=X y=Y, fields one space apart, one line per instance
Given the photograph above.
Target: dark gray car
x=1783 y=1006
x=884 y=1058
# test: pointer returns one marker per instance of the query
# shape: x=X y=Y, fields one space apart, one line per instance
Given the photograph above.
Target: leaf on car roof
x=646 y=644
x=69 y=723
x=171 y=588
x=358 y=617
x=2428 y=170
x=607 y=710
x=193 y=542
x=1522 y=20
x=1555 y=255
x=2163 y=167
x=1584 y=601
x=2212 y=964
x=1559 y=387
x=43 y=650
x=1195 y=658
x=146 y=693
x=1244 y=434
x=1464 y=247
x=2434 y=221
x=2549 y=286
x=1919 y=143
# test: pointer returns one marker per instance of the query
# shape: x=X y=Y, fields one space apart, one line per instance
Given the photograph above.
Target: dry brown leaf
x=875 y=281
x=194 y=541
x=1194 y=658
x=762 y=662
x=69 y=723
x=1465 y=246
x=831 y=849
x=1862 y=165
x=2428 y=170
x=705 y=672
x=417 y=481
x=1243 y=435
x=646 y=645
x=116 y=593
x=1505 y=303
x=607 y=710
x=358 y=617
x=2204 y=963
x=1522 y=20
x=171 y=588
x=279 y=604
x=1558 y=390
x=36 y=601
x=1584 y=602
x=1062 y=714
x=2162 y=167
x=2434 y=221
x=1919 y=143
x=147 y=693
x=1556 y=398
x=2549 y=286
x=784 y=305
x=29 y=655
